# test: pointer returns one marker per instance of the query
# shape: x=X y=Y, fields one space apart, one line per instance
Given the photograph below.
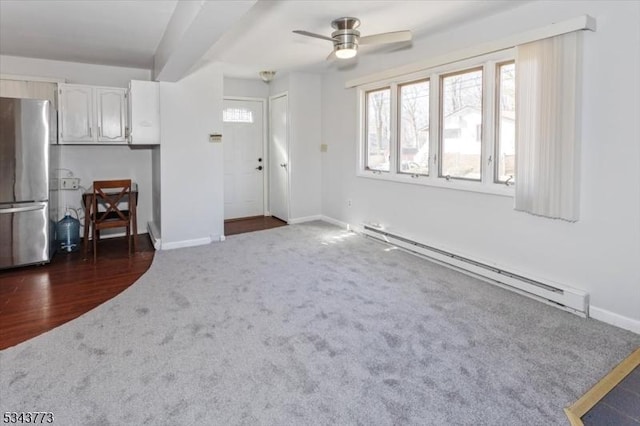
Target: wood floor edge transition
x=578 y=409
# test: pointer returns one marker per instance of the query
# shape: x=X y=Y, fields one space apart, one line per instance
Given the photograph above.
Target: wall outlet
x=69 y=183
x=349 y=203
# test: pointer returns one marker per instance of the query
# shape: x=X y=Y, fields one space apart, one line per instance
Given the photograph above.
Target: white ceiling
x=127 y=32
x=122 y=32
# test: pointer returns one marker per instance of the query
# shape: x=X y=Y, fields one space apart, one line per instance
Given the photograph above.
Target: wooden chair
x=110 y=193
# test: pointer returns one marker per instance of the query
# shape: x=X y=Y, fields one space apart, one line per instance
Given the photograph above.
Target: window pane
x=461 y=136
x=378 y=130
x=506 y=132
x=414 y=128
x=237 y=115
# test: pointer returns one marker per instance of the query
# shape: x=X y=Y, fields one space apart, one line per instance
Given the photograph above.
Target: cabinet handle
x=90 y=131
x=99 y=131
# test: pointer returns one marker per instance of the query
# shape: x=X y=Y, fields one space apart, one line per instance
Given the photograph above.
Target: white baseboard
x=335 y=222
x=297 y=220
x=154 y=234
x=615 y=319
x=186 y=243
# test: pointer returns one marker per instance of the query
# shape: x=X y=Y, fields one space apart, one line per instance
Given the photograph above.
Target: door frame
x=265 y=146
x=288 y=151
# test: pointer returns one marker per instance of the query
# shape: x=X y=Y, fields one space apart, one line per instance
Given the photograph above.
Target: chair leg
x=129 y=239
x=95 y=245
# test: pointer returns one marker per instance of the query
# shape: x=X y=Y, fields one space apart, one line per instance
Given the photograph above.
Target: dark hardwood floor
x=250 y=224
x=35 y=299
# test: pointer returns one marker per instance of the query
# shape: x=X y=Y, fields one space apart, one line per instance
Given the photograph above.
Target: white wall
x=191 y=167
x=601 y=252
x=246 y=88
x=90 y=163
x=305 y=112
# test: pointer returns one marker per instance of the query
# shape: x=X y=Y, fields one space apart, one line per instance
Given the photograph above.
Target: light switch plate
x=324 y=147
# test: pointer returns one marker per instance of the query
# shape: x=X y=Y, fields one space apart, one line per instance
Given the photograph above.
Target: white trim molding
x=615 y=319
x=584 y=22
x=336 y=222
x=304 y=219
x=187 y=243
x=154 y=234
x=17 y=77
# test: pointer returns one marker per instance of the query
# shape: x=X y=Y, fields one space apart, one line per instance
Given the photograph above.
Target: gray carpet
x=310 y=325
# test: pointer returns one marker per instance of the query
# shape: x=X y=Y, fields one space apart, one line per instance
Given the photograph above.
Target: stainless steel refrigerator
x=27 y=200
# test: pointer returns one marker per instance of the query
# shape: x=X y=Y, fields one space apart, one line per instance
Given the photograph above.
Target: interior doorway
x=245 y=165
x=279 y=156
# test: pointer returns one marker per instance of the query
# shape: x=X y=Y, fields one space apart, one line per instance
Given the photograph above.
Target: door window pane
x=461 y=124
x=506 y=122
x=414 y=128
x=378 y=120
x=237 y=115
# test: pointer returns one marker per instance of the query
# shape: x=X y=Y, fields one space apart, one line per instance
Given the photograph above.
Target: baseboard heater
x=566 y=298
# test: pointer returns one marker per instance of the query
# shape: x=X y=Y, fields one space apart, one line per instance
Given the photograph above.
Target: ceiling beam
x=193 y=28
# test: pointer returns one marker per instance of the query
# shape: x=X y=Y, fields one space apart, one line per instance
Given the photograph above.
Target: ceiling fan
x=346 y=38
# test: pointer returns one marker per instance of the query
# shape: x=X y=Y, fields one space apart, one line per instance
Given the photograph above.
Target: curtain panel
x=548 y=87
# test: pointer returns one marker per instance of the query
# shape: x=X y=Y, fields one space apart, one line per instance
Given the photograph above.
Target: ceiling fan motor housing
x=347 y=23
x=345 y=37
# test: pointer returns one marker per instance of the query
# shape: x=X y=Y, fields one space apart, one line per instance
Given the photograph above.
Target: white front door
x=279 y=158
x=244 y=163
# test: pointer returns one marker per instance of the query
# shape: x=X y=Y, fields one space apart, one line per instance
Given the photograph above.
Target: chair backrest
x=110 y=193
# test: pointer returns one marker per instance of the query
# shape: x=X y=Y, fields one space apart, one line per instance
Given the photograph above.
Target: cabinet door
x=144 y=110
x=76 y=113
x=111 y=114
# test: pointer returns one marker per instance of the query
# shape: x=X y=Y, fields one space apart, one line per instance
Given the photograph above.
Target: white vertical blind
x=547 y=131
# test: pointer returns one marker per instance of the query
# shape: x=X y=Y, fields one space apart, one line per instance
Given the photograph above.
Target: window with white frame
x=450 y=126
x=413 y=149
x=378 y=130
x=460 y=117
x=505 y=149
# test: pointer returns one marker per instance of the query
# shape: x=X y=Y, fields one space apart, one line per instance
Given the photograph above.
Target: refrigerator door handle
x=21 y=209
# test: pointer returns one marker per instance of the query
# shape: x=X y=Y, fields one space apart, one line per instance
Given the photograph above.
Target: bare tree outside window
x=506 y=131
x=414 y=129
x=461 y=125
x=378 y=121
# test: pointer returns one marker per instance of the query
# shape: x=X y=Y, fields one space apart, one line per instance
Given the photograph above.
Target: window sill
x=459 y=185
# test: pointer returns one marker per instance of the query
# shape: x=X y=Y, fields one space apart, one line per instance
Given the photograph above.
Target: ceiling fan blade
x=392 y=37
x=308 y=34
x=332 y=56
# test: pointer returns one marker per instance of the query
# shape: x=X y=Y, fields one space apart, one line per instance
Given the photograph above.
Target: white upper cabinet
x=111 y=114
x=144 y=112
x=92 y=115
x=76 y=113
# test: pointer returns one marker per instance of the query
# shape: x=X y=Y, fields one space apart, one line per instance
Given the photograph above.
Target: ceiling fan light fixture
x=267 y=76
x=346 y=51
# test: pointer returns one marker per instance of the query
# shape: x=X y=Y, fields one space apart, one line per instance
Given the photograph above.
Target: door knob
x=283 y=165
x=259 y=168
x=259 y=160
